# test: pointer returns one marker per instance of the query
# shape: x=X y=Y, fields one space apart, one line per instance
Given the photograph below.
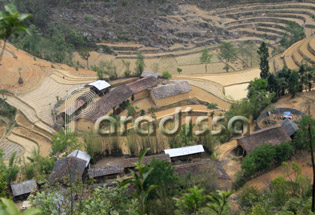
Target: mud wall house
x=22 y=190
x=100 y=87
x=129 y=162
x=274 y=135
x=187 y=153
x=170 y=93
x=141 y=88
x=104 y=106
x=68 y=170
x=101 y=174
x=204 y=169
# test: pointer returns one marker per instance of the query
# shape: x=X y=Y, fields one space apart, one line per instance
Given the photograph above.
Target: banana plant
x=138 y=180
x=218 y=201
x=7 y=207
x=11 y=23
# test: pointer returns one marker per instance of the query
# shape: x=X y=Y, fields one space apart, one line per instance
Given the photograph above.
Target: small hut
x=68 y=170
x=187 y=153
x=141 y=88
x=100 y=87
x=274 y=135
x=170 y=93
x=22 y=190
x=101 y=174
x=289 y=126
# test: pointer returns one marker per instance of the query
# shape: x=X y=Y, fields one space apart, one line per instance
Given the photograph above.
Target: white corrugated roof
x=99 y=84
x=81 y=155
x=188 y=150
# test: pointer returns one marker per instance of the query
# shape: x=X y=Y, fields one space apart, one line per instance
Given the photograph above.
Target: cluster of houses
x=110 y=100
x=76 y=166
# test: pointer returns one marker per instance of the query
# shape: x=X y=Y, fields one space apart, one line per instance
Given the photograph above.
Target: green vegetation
x=227 y=52
x=8 y=207
x=263 y=52
x=166 y=75
x=11 y=24
x=206 y=58
x=139 y=64
x=106 y=68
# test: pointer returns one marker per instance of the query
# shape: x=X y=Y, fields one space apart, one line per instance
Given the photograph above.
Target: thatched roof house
x=143 y=84
x=170 y=93
x=149 y=74
x=23 y=188
x=111 y=100
x=128 y=162
x=67 y=170
x=289 y=126
x=198 y=168
x=274 y=135
x=105 y=171
x=173 y=89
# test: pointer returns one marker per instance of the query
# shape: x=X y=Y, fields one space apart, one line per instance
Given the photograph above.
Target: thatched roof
x=74 y=107
x=143 y=84
x=24 y=187
x=106 y=170
x=274 y=135
x=110 y=100
x=176 y=88
x=198 y=168
x=289 y=126
x=67 y=167
x=149 y=74
x=128 y=162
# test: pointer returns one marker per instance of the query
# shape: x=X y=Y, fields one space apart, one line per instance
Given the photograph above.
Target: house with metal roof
x=100 y=87
x=23 y=189
x=170 y=93
x=185 y=153
x=81 y=155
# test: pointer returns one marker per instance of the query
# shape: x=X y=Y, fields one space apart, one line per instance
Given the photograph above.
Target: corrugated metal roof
x=82 y=155
x=289 y=126
x=188 y=150
x=148 y=74
x=24 y=187
x=99 y=84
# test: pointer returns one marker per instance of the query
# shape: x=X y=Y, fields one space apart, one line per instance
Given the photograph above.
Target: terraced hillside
x=183 y=24
x=301 y=52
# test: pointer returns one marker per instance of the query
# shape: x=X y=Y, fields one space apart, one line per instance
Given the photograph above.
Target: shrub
x=131 y=110
x=249 y=196
x=283 y=152
x=212 y=106
x=166 y=74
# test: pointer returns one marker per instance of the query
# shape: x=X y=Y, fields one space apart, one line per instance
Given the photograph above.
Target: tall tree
x=293 y=83
x=227 y=52
x=85 y=55
x=264 y=63
x=11 y=23
x=139 y=64
x=206 y=58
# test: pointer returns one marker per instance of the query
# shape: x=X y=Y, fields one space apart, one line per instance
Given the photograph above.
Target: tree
x=85 y=54
x=127 y=65
x=166 y=74
x=264 y=63
x=192 y=202
x=139 y=64
x=219 y=201
x=227 y=51
x=64 y=143
x=11 y=23
x=293 y=83
x=179 y=70
x=138 y=180
x=206 y=58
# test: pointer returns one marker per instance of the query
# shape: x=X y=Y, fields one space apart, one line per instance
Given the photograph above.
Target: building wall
x=169 y=100
x=141 y=95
